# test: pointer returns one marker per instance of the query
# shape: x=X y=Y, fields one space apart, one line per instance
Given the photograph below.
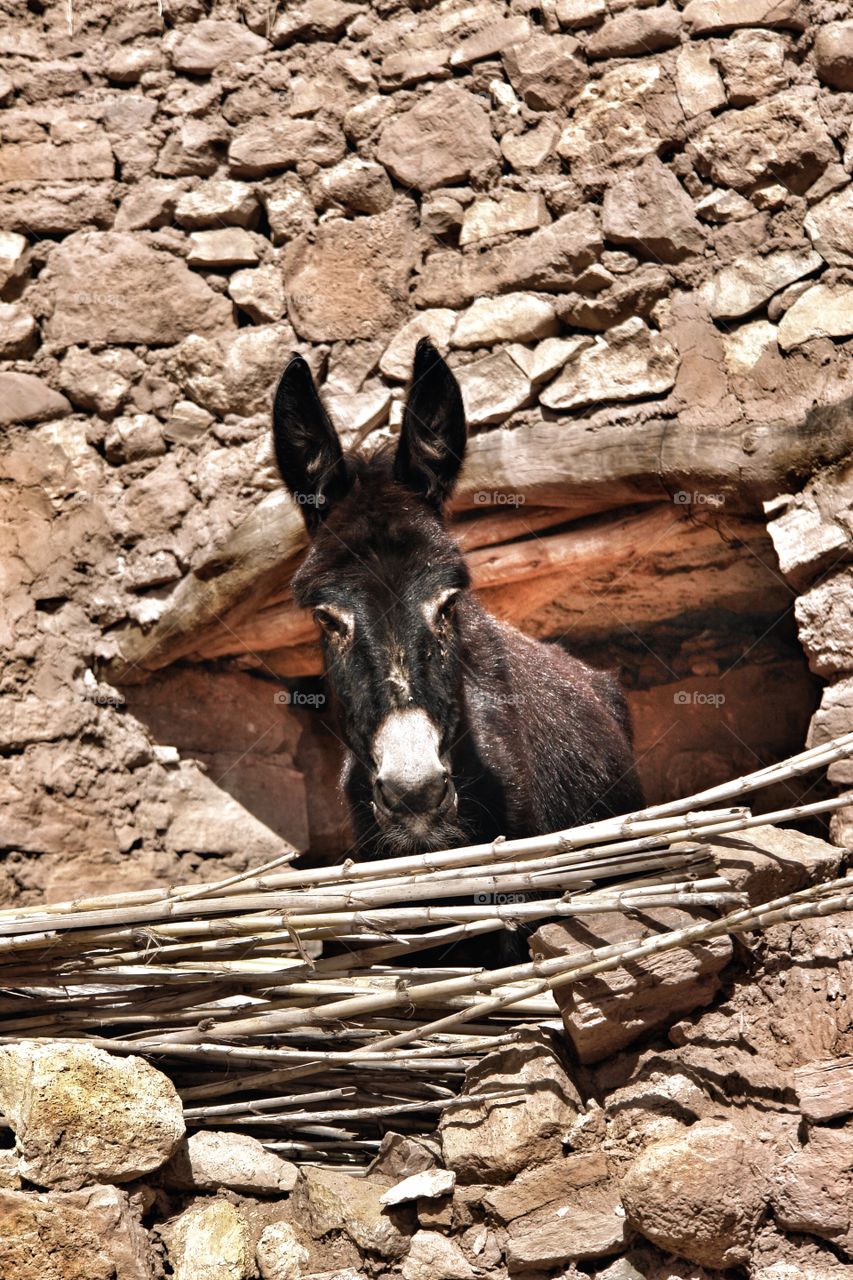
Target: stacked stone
x=613 y=210
x=679 y=1143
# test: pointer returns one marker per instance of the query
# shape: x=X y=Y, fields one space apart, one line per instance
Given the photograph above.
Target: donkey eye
x=447 y=606
x=333 y=623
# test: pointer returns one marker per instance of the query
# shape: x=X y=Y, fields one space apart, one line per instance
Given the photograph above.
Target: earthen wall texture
x=598 y=208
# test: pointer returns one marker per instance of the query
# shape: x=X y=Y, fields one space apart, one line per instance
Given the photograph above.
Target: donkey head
x=385 y=580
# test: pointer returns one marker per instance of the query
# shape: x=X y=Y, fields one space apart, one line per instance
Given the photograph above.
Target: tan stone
x=236 y=373
x=605 y=1013
x=82 y=1115
x=491 y=1139
x=824 y=311
x=262 y=146
x=216 y=202
x=514 y=317
x=625 y=115
x=701 y=1194
x=437 y=324
x=747 y=283
x=492 y=389
x=769 y=862
x=326 y=1200
x=26 y=398
x=289 y=209
x=581 y=1224
x=813 y=1188
x=825 y=1089
x=98 y=382
x=490 y=39
x=92 y=274
x=513 y=211
x=359 y=185
x=350 y=280
x=206 y=44
x=440 y=141
x=698 y=82
x=575 y=14
x=648 y=210
x=528 y=150
x=260 y=293
x=707 y=17
x=18 y=331
x=825 y=623
x=209 y=1241
x=636 y=31
x=90 y=158
x=225 y=247
x=781 y=138
x=546 y=71
x=14 y=256
x=548 y=259
x=280 y=1254
x=631 y=362
x=209 y=1160
x=754 y=65
x=80 y=1235
x=433 y=1257
x=829 y=226
x=322 y=19
x=833 y=50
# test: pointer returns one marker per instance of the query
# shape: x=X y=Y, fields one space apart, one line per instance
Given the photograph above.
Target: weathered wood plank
x=642 y=567
x=579 y=466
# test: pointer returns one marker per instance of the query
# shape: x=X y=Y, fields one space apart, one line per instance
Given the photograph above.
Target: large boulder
x=444 y=139
x=81 y=1115
x=107 y=286
x=701 y=1194
x=350 y=278
x=91 y=1234
x=487 y=1137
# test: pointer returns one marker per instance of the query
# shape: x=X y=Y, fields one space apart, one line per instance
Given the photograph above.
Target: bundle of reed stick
x=288 y=1002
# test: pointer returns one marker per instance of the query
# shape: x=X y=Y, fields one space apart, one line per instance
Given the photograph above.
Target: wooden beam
x=579 y=466
x=608 y=574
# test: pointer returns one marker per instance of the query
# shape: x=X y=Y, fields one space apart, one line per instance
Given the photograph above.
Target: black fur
x=533 y=739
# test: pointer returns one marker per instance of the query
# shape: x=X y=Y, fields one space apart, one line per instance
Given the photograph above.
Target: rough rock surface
x=91 y=276
x=370 y=264
x=484 y=1139
x=209 y=1241
x=81 y=1115
x=700 y=1195
x=91 y=1234
x=210 y=1160
x=606 y=1012
x=629 y=226
x=441 y=141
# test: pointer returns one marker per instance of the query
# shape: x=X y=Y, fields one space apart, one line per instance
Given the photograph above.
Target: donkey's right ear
x=307 y=448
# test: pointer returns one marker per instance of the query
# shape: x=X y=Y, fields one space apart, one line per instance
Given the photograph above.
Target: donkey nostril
x=423 y=795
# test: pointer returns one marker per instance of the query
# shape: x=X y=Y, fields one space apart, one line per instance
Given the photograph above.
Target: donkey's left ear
x=432 y=437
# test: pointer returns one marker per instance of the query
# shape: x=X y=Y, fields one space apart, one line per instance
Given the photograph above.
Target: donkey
x=458 y=727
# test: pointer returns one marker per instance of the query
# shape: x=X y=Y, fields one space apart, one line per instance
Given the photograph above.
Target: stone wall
x=629 y=224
